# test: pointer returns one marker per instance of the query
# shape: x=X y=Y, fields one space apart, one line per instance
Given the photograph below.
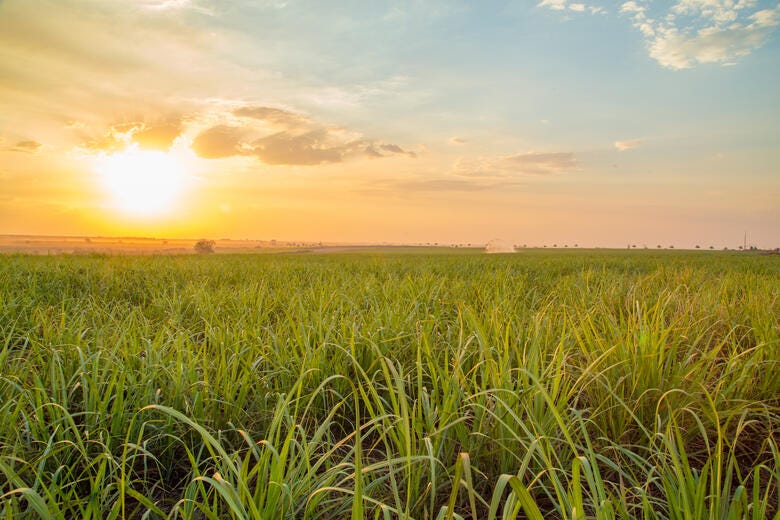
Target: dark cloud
x=218 y=142
x=395 y=149
x=518 y=164
x=318 y=146
x=306 y=149
x=299 y=141
x=25 y=146
x=371 y=151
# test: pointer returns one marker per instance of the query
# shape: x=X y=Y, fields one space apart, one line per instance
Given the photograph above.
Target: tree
x=204 y=246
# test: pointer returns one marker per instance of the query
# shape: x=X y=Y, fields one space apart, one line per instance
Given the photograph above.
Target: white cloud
x=562 y=5
x=703 y=31
x=162 y=5
x=684 y=33
x=628 y=144
x=677 y=50
x=171 y=5
x=555 y=5
x=631 y=7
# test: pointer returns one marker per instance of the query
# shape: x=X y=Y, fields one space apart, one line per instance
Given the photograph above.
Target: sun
x=142 y=182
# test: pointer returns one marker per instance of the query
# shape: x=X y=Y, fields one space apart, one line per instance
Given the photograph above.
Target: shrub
x=204 y=246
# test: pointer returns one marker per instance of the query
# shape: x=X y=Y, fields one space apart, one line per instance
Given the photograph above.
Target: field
x=567 y=384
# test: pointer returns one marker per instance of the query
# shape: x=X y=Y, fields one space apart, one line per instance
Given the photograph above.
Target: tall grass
x=570 y=385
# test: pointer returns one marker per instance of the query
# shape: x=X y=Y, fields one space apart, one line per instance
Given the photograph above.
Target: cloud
x=163 y=4
x=171 y=5
x=319 y=146
x=440 y=185
x=555 y=5
x=26 y=146
x=631 y=7
x=218 y=142
x=676 y=50
x=158 y=137
x=457 y=140
x=395 y=149
x=431 y=185
x=628 y=144
x=274 y=116
x=150 y=136
x=563 y=5
x=533 y=163
x=703 y=31
x=295 y=140
x=685 y=33
x=306 y=149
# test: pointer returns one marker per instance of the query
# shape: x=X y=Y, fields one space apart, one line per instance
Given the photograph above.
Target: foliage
x=632 y=384
x=204 y=246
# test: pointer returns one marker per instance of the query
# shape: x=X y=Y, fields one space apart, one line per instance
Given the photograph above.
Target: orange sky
x=557 y=122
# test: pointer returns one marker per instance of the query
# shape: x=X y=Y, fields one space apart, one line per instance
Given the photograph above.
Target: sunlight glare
x=142 y=182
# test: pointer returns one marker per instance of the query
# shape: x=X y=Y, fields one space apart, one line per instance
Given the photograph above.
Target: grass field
x=567 y=384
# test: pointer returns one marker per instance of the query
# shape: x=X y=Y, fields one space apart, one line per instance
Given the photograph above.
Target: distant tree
x=671 y=247
x=712 y=247
x=658 y=246
x=204 y=246
x=698 y=246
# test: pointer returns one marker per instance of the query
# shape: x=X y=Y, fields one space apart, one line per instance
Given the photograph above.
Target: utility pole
x=744 y=242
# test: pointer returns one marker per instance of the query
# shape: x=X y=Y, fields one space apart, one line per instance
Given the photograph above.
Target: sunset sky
x=587 y=121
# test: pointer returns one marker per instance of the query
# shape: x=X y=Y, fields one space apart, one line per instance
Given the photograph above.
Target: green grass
x=391 y=384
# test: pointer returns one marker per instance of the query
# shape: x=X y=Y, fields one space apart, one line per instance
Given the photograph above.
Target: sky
x=582 y=122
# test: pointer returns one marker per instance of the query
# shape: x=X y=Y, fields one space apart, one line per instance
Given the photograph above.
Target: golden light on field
x=142 y=182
